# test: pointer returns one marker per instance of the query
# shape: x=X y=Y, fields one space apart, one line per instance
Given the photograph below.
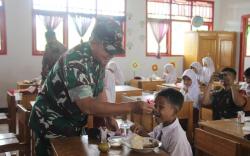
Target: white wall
x=19 y=64
x=228 y=17
x=136 y=43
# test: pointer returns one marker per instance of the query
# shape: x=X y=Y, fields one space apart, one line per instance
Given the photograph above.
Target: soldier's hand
x=141 y=107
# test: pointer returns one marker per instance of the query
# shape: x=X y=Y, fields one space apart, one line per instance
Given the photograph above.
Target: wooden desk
x=146 y=85
x=124 y=90
x=168 y=85
x=22 y=85
x=228 y=129
x=81 y=146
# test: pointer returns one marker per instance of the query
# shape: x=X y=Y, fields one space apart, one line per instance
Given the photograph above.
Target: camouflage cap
x=109 y=32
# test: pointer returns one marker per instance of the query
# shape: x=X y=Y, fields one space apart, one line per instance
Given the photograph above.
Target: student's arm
x=92 y=106
x=206 y=100
x=238 y=98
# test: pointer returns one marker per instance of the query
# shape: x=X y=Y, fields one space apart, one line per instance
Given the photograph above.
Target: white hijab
x=200 y=74
x=209 y=70
x=193 y=90
x=119 y=77
x=169 y=74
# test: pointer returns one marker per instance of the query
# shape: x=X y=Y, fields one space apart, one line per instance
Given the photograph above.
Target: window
x=71 y=20
x=177 y=16
x=3 y=49
x=178 y=32
x=248 y=41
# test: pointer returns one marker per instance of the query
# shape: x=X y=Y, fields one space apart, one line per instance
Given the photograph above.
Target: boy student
x=169 y=131
x=227 y=101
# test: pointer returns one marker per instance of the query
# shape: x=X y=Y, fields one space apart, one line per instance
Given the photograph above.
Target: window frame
x=167 y=37
x=169 y=33
x=36 y=52
x=65 y=15
x=3 y=50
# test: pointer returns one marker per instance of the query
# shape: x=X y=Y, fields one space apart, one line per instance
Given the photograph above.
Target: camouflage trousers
x=47 y=124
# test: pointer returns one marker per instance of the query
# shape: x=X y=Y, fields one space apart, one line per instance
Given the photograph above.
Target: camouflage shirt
x=76 y=75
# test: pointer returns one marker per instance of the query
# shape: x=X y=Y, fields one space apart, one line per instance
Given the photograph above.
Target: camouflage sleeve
x=80 y=92
x=78 y=81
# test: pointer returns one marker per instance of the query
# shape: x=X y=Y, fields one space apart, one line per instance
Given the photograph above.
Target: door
x=226 y=50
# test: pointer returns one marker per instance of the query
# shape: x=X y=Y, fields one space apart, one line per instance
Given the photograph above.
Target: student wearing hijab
x=197 y=68
x=190 y=87
x=208 y=68
x=169 y=74
x=113 y=76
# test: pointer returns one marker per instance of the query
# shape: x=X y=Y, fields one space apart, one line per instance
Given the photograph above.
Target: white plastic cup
x=241 y=117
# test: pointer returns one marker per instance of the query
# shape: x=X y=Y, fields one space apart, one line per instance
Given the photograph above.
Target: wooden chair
x=186 y=113
x=21 y=141
x=11 y=111
x=214 y=145
x=10 y=117
x=4 y=119
x=206 y=114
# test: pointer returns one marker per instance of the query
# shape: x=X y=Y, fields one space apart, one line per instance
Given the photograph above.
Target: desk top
x=79 y=146
x=161 y=81
x=124 y=88
x=227 y=126
x=139 y=98
x=28 y=83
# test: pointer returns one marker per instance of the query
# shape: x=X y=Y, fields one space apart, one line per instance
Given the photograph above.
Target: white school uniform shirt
x=246 y=87
x=209 y=70
x=109 y=86
x=119 y=76
x=193 y=90
x=173 y=138
x=169 y=74
x=199 y=74
x=113 y=76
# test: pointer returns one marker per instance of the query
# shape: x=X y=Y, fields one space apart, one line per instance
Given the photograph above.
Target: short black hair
x=247 y=72
x=173 y=96
x=228 y=69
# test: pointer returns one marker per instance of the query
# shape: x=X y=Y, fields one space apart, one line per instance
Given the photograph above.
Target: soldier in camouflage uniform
x=73 y=85
x=53 y=50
